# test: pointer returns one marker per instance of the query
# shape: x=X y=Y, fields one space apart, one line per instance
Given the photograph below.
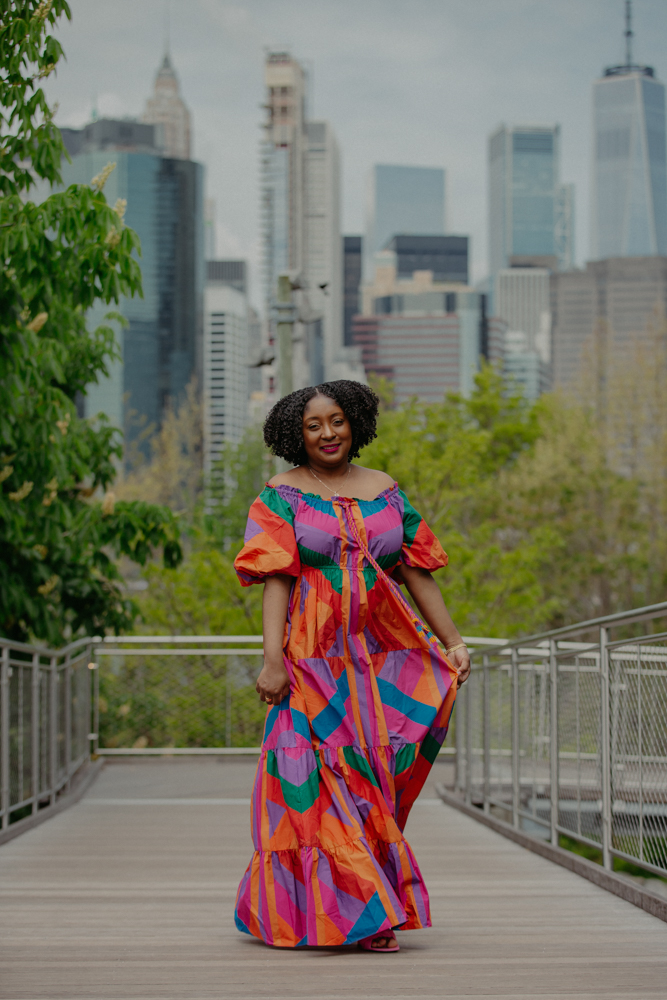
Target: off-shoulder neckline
x=316 y=496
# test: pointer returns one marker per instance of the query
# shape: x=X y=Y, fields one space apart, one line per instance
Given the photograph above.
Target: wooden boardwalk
x=129 y=894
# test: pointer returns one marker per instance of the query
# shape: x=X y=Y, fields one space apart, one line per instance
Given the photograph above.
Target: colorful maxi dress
x=345 y=755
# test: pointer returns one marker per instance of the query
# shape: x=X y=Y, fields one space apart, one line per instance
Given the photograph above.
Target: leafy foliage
x=539 y=528
x=188 y=701
x=173 y=476
x=237 y=479
x=59 y=257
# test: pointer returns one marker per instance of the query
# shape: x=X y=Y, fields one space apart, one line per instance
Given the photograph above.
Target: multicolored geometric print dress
x=345 y=755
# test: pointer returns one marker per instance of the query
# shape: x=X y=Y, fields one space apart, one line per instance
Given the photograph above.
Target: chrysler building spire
x=168 y=109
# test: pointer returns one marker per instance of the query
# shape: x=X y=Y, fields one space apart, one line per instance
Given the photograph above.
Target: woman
x=359 y=690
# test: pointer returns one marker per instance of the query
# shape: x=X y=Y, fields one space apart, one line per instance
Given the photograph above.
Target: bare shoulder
x=377 y=480
x=293 y=477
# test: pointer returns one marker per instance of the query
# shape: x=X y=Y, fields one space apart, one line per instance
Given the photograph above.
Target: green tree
x=188 y=700
x=540 y=530
x=237 y=479
x=58 y=575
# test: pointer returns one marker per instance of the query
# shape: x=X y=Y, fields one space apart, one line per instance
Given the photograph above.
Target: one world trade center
x=629 y=216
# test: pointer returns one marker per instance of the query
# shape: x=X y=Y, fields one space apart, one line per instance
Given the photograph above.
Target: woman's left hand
x=460 y=658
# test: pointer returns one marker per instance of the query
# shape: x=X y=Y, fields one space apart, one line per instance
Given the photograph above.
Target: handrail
x=45 y=713
x=619 y=618
x=570 y=738
x=545 y=664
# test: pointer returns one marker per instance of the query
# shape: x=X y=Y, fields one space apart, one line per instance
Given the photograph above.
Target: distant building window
x=533 y=142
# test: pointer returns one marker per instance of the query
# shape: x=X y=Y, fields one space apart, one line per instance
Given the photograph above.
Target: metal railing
x=45 y=704
x=568 y=738
x=177 y=693
x=561 y=736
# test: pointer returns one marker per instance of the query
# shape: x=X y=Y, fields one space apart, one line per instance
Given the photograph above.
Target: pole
x=4 y=736
x=553 y=741
x=605 y=751
x=34 y=736
x=67 y=670
x=516 y=778
x=628 y=33
x=486 y=760
x=54 y=695
x=469 y=708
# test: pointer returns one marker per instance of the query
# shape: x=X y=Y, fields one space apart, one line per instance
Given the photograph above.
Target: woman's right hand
x=273 y=683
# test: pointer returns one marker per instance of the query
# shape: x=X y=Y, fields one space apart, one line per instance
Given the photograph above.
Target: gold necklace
x=332 y=492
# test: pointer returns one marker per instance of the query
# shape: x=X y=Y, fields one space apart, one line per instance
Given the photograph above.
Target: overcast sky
x=401 y=81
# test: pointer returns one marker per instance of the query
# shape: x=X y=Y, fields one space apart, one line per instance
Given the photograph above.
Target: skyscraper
x=530 y=215
x=425 y=336
x=282 y=169
x=168 y=109
x=617 y=301
x=522 y=299
x=405 y=200
x=225 y=357
x=323 y=266
x=445 y=256
x=351 y=281
x=301 y=225
x=629 y=212
x=161 y=346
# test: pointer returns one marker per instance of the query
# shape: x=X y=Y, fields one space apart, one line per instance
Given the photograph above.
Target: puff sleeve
x=420 y=546
x=269 y=544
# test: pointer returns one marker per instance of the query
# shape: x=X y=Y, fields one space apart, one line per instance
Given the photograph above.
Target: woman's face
x=327 y=434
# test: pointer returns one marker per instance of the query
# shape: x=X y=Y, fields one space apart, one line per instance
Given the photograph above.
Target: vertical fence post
x=94 y=701
x=34 y=733
x=554 y=776
x=605 y=751
x=458 y=740
x=53 y=728
x=4 y=736
x=516 y=786
x=228 y=705
x=68 y=719
x=640 y=751
x=487 y=733
x=96 y=709
x=469 y=707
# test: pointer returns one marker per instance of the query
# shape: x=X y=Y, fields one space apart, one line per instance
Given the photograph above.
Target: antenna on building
x=167 y=26
x=628 y=33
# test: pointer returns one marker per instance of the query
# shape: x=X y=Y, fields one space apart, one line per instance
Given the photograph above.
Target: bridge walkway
x=129 y=894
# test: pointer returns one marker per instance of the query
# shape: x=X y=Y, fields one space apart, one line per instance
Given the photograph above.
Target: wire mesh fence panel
x=43 y=716
x=474 y=746
x=499 y=702
x=45 y=704
x=80 y=693
x=579 y=744
x=185 y=700
x=20 y=730
x=638 y=731
x=534 y=734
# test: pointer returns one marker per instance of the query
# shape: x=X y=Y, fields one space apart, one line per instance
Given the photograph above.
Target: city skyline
x=427 y=91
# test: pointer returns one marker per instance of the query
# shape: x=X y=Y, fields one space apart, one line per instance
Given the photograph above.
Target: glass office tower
x=409 y=200
x=629 y=217
x=529 y=213
x=162 y=343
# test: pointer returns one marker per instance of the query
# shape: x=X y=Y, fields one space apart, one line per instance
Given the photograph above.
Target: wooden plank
x=135 y=901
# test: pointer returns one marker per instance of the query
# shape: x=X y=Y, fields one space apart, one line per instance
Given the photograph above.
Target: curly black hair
x=283 y=429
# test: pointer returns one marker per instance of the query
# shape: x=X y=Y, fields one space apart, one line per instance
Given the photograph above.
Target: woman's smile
x=330 y=449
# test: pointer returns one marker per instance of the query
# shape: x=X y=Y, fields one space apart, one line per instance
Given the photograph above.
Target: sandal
x=366 y=944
